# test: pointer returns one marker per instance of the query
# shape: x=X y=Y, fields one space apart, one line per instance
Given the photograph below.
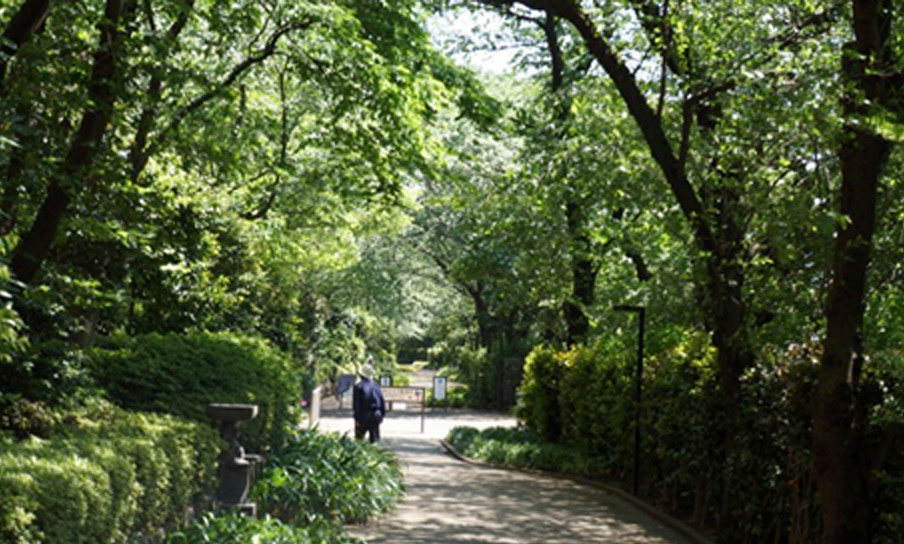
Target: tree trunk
x=838 y=418
x=32 y=250
x=726 y=314
x=583 y=271
x=840 y=466
x=486 y=329
x=583 y=277
x=138 y=152
x=23 y=25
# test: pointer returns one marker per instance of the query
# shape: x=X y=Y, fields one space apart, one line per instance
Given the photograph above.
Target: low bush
x=181 y=374
x=521 y=448
x=39 y=384
x=105 y=477
x=328 y=476
x=457 y=396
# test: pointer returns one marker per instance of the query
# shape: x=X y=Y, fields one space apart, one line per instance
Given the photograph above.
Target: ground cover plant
x=235 y=528
x=328 y=476
x=523 y=448
x=309 y=489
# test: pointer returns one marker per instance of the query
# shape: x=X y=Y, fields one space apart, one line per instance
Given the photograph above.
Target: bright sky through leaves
x=478 y=39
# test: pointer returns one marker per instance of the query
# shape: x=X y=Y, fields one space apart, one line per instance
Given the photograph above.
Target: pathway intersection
x=452 y=502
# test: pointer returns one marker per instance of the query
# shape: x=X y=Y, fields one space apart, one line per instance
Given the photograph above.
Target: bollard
x=316 y=401
x=236 y=467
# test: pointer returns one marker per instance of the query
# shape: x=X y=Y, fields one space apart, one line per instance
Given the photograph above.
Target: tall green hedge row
x=104 y=480
x=182 y=373
x=584 y=398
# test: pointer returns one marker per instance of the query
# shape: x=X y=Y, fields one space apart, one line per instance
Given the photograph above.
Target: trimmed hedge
x=583 y=399
x=182 y=373
x=105 y=482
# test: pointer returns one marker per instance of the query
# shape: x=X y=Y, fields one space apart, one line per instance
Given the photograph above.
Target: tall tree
x=583 y=266
x=872 y=69
x=707 y=169
x=209 y=118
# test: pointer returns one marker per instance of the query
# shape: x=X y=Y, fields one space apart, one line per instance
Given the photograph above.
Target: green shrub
x=597 y=402
x=521 y=448
x=888 y=433
x=181 y=374
x=48 y=376
x=236 y=528
x=589 y=393
x=328 y=476
x=23 y=417
x=456 y=397
x=104 y=481
x=538 y=405
x=677 y=414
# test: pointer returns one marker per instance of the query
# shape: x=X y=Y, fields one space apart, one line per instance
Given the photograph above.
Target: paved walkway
x=452 y=502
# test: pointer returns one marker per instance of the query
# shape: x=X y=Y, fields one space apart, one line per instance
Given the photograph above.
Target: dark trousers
x=362 y=428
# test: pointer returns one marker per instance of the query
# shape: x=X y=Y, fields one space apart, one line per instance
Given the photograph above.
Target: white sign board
x=439 y=387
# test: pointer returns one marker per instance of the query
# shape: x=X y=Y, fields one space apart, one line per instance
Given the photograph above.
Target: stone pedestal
x=236 y=467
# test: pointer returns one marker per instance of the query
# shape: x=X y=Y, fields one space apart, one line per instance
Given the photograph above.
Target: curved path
x=452 y=502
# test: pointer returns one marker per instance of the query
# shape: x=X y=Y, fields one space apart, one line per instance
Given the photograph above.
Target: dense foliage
x=522 y=448
x=236 y=528
x=308 y=489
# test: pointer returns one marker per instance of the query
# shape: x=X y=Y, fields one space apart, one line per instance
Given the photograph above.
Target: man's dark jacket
x=369 y=405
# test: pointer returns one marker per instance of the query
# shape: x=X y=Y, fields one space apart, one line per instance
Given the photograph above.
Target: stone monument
x=236 y=468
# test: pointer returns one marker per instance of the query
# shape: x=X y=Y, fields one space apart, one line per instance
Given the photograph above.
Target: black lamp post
x=638 y=383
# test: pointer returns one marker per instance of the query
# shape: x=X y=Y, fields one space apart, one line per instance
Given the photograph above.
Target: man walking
x=369 y=406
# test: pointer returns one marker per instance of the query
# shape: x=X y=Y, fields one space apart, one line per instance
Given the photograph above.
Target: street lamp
x=638 y=382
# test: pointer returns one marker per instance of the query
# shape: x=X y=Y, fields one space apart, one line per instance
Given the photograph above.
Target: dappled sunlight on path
x=455 y=503
x=452 y=502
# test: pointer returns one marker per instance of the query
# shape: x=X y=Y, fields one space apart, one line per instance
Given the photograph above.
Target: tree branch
x=643 y=114
x=26 y=21
x=237 y=71
x=138 y=153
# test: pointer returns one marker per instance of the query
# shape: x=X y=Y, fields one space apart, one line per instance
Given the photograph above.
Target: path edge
x=691 y=534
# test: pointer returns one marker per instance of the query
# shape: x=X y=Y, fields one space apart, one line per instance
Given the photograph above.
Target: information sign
x=404 y=394
x=415 y=395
